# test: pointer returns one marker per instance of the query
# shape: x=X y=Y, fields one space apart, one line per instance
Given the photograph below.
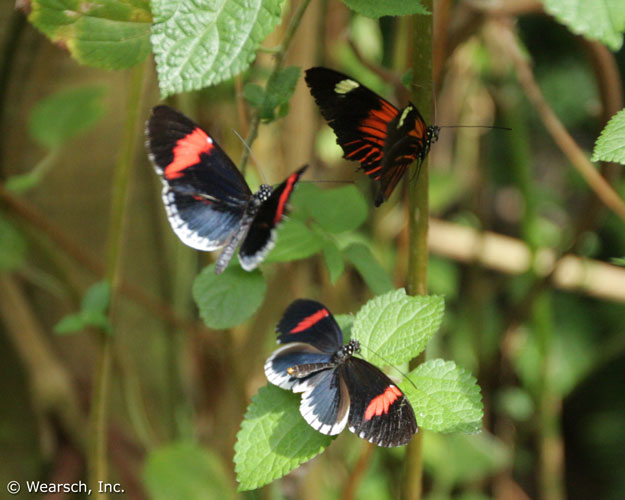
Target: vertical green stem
x=97 y=460
x=279 y=62
x=416 y=282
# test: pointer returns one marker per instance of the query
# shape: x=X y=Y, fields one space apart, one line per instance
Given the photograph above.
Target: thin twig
x=554 y=126
x=349 y=491
x=279 y=62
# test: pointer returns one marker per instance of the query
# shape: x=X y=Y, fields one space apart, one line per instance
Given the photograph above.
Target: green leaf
x=97 y=297
x=72 y=323
x=336 y=210
x=108 y=34
x=610 y=145
x=229 y=298
x=66 y=113
x=21 y=183
x=185 y=471
x=376 y=8
x=280 y=88
x=274 y=438
x=12 y=246
x=334 y=260
x=201 y=43
x=618 y=261
x=602 y=20
x=294 y=241
x=368 y=267
x=445 y=397
x=397 y=326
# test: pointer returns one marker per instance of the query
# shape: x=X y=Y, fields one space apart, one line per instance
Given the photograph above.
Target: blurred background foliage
x=545 y=342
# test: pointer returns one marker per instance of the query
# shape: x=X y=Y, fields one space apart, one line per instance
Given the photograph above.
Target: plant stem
x=98 y=465
x=416 y=282
x=279 y=62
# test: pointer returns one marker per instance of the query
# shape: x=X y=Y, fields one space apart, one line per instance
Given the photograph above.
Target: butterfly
x=208 y=203
x=338 y=389
x=369 y=129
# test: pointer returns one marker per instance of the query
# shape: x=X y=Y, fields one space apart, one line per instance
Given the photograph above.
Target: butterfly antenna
x=475 y=126
x=249 y=150
x=388 y=363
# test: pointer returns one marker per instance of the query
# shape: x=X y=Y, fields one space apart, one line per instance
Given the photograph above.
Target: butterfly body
x=338 y=389
x=369 y=129
x=207 y=200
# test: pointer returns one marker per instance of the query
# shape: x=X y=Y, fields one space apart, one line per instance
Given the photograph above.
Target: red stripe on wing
x=309 y=321
x=284 y=197
x=381 y=404
x=187 y=152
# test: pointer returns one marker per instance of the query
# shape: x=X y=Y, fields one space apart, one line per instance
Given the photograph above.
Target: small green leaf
x=375 y=8
x=108 y=34
x=280 y=88
x=64 y=114
x=368 y=267
x=336 y=210
x=96 y=319
x=229 y=298
x=201 y=43
x=274 y=439
x=12 y=247
x=610 y=145
x=602 y=20
x=334 y=260
x=618 y=261
x=185 y=471
x=254 y=94
x=72 y=323
x=445 y=397
x=294 y=242
x=398 y=326
x=97 y=297
x=21 y=183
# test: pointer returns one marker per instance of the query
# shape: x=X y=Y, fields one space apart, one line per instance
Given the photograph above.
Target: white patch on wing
x=345 y=86
x=281 y=379
x=403 y=116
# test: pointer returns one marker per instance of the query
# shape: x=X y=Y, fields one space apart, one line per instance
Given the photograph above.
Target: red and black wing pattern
x=358 y=116
x=379 y=411
x=204 y=193
x=310 y=322
x=261 y=236
x=384 y=139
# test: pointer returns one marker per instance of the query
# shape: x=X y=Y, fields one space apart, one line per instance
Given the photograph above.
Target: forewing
x=204 y=193
x=293 y=355
x=358 y=116
x=379 y=411
x=261 y=236
x=310 y=322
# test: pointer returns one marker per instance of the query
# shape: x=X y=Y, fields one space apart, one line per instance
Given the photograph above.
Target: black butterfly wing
x=379 y=411
x=310 y=322
x=261 y=236
x=279 y=366
x=204 y=193
x=358 y=116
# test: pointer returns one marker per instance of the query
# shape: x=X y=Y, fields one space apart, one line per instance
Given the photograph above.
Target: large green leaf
x=611 y=143
x=273 y=101
x=109 y=34
x=185 y=471
x=274 y=438
x=294 y=241
x=336 y=210
x=229 y=298
x=445 y=397
x=602 y=20
x=204 y=42
x=368 y=267
x=396 y=326
x=377 y=8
